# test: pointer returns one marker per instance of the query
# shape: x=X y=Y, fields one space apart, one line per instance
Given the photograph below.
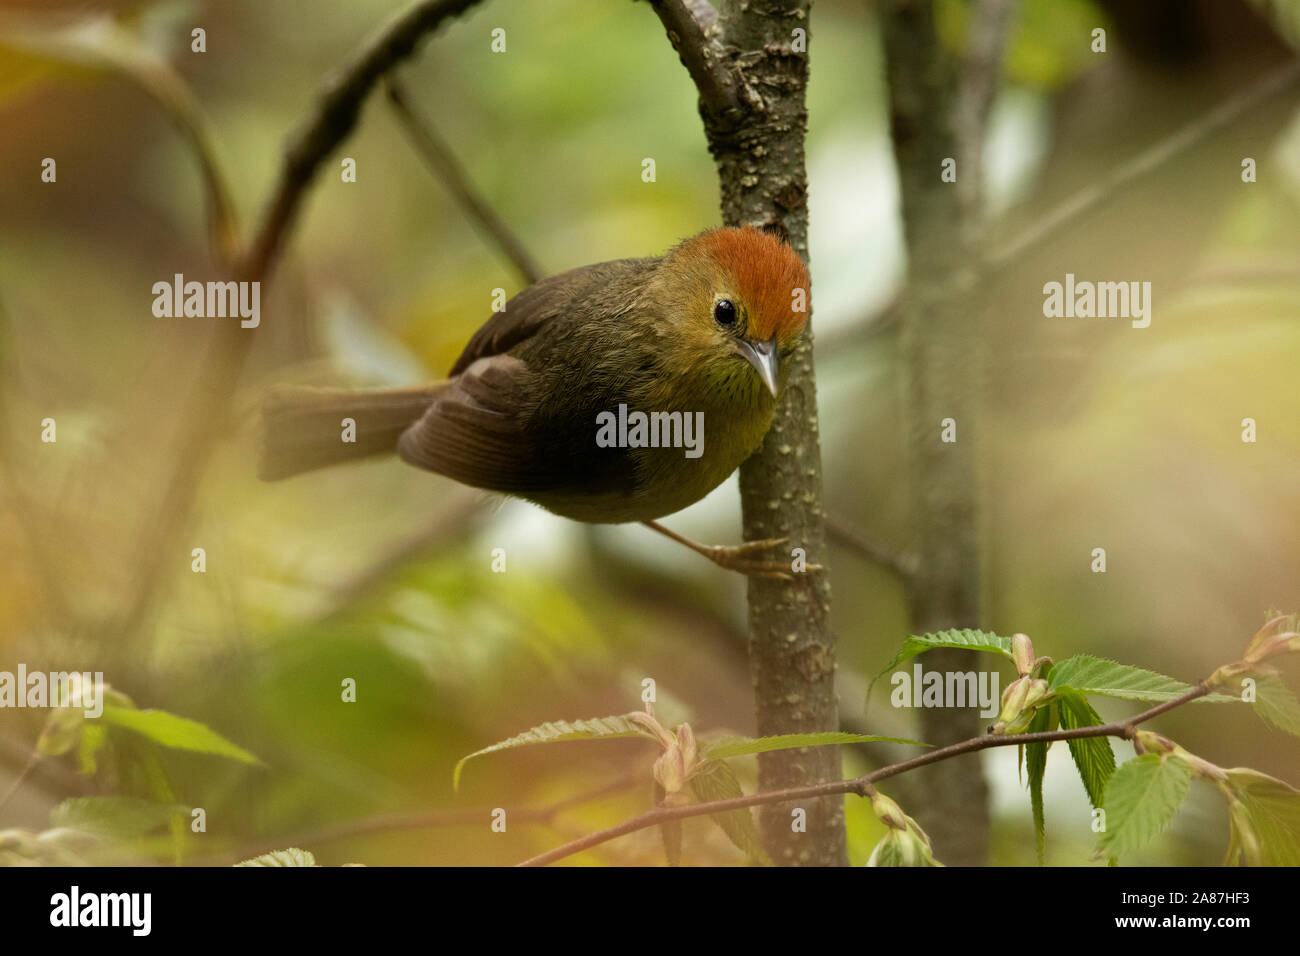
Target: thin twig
x=440 y=159
x=860 y=786
x=28 y=767
x=432 y=819
x=902 y=564
x=330 y=121
x=1145 y=162
x=693 y=29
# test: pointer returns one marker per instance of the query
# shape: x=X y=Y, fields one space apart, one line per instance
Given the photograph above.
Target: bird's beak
x=763 y=356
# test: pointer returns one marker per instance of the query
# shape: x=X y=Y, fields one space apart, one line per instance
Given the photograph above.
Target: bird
x=562 y=397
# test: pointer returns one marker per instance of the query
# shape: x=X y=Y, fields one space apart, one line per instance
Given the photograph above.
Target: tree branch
x=440 y=159
x=1147 y=161
x=427 y=820
x=902 y=564
x=861 y=786
x=726 y=100
x=758 y=146
x=206 y=408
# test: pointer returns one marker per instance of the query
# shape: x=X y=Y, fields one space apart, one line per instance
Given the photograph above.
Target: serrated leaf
x=113 y=817
x=557 y=731
x=1036 y=765
x=290 y=857
x=714 y=780
x=1272 y=808
x=739 y=746
x=1141 y=798
x=964 y=639
x=1093 y=756
x=1097 y=675
x=178 y=733
x=1275 y=704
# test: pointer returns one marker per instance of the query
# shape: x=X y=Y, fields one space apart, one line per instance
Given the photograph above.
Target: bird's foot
x=743 y=558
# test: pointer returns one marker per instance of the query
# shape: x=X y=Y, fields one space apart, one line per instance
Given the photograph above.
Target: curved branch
x=327 y=125
x=693 y=29
x=336 y=115
x=1149 y=160
x=861 y=786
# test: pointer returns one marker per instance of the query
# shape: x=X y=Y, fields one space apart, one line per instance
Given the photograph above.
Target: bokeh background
x=1096 y=434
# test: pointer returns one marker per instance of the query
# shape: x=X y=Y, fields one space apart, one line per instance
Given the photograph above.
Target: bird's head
x=738 y=303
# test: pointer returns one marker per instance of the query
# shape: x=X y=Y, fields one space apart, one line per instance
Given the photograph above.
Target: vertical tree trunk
x=939 y=351
x=759 y=150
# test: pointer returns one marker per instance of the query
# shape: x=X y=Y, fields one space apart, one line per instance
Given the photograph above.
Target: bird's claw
x=740 y=557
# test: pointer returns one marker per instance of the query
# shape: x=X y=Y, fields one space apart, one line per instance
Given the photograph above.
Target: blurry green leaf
x=1275 y=703
x=1265 y=828
x=738 y=746
x=594 y=728
x=290 y=857
x=1049 y=42
x=93 y=737
x=963 y=639
x=714 y=780
x=1096 y=675
x=179 y=733
x=113 y=817
x=1045 y=719
x=61 y=732
x=1141 y=798
x=1093 y=756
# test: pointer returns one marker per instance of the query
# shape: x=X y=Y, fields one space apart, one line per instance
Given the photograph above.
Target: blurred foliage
x=1094 y=436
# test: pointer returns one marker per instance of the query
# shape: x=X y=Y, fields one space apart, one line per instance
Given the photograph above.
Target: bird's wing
x=497 y=424
x=543 y=301
x=474 y=431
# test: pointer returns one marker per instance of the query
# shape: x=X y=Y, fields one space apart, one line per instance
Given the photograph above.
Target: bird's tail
x=309 y=428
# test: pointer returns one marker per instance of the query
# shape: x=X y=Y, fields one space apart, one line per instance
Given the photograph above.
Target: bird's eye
x=724 y=313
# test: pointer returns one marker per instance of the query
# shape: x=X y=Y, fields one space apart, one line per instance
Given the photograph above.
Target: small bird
x=543 y=403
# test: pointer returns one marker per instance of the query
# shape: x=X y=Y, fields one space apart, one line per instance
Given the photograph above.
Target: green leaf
x=178 y=733
x=594 y=728
x=738 y=746
x=1093 y=756
x=113 y=817
x=1272 y=811
x=1275 y=704
x=62 y=731
x=1096 y=675
x=94 y=736
x=290 y=857
x=1045 y=719
x=965 y=639
x=1141 y=798
x=713 y=780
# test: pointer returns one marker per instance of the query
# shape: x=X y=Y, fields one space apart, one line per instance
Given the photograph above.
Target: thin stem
x=440 y=159
x=861 y=786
